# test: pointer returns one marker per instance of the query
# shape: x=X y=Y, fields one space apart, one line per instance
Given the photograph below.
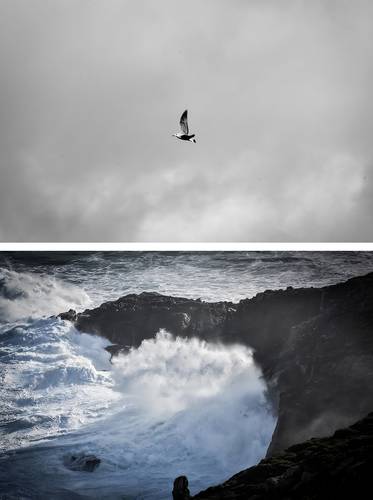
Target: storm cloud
x=278 y=93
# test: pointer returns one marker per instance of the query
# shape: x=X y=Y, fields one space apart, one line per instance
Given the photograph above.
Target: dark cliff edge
x=339 y=466
x=314 y=346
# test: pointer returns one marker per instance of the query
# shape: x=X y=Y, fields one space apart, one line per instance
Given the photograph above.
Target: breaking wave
x=172 y=406
x=26 y=295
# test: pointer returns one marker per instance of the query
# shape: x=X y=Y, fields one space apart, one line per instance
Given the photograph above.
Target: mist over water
x=172 y=406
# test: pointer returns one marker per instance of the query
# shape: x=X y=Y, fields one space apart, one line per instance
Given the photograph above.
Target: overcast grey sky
x=279 y=95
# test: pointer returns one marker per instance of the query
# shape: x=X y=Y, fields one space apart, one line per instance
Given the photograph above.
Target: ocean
x=170 y=407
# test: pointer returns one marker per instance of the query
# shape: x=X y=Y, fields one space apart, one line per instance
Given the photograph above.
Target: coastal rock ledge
x=337 y=467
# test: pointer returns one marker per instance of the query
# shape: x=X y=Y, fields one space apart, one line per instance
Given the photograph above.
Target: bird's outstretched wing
x=184 y=122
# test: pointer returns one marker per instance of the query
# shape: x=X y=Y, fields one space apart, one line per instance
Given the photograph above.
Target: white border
x=186 y=247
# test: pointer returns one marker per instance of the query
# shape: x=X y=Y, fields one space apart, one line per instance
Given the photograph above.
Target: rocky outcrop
x=181 y=490
x=69 y=315
x=334 y=467
x=314 y=346
x=133 y=318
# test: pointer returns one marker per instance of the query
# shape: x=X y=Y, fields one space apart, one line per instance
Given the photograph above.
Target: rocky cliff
x=314 y=346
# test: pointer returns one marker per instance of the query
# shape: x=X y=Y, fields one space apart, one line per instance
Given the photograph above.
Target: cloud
x=278 y=95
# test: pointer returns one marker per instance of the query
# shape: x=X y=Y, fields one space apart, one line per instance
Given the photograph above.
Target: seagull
x=184 y=134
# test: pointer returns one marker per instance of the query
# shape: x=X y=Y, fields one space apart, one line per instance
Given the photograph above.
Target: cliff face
x=314 y=346
x=334 y=467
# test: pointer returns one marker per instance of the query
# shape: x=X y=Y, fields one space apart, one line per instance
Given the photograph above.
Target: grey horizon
x=278 y=94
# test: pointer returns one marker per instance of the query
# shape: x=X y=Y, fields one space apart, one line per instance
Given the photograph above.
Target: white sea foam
x=53 y=381
x=166 y=374
x=173 y=406
x=26 y=295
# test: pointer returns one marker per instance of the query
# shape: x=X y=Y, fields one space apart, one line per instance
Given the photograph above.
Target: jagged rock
x=180 y=490
x=86 y=463
x=70 y=315
x=339 y=466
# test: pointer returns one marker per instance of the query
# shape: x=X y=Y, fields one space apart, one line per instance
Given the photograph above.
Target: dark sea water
x=173 y=406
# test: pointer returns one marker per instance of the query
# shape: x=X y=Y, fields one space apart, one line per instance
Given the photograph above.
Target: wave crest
x=30 y=295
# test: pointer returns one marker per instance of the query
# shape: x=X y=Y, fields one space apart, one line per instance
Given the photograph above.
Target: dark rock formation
x=70 y=315
x=181 y=490
x=133 y=318
x=334 y=467
x=314 y=346
x=115 y=349
x=81 y=462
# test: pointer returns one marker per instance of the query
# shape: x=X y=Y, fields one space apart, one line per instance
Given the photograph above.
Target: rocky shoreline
x=334 y=467
x=313 y=345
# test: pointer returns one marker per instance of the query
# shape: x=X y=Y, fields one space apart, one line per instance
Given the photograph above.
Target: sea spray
x=25 y=295
x=211 y=395
x=166 y=374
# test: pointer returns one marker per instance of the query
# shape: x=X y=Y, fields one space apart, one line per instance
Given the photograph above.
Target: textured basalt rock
x=339 y=466
x=314 y=346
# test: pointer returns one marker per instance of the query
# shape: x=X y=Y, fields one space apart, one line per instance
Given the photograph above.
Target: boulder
x=81 y=462
x=180 y=490
x=70 y=315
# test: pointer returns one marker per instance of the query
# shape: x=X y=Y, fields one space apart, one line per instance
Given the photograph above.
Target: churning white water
x=172 y=406
x=25 y=295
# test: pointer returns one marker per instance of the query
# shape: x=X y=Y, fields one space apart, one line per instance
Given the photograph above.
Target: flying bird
x=184 y=134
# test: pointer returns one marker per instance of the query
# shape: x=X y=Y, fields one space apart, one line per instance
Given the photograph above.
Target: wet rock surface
x=339 y=466
x=81 y=462
x=69 y=315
